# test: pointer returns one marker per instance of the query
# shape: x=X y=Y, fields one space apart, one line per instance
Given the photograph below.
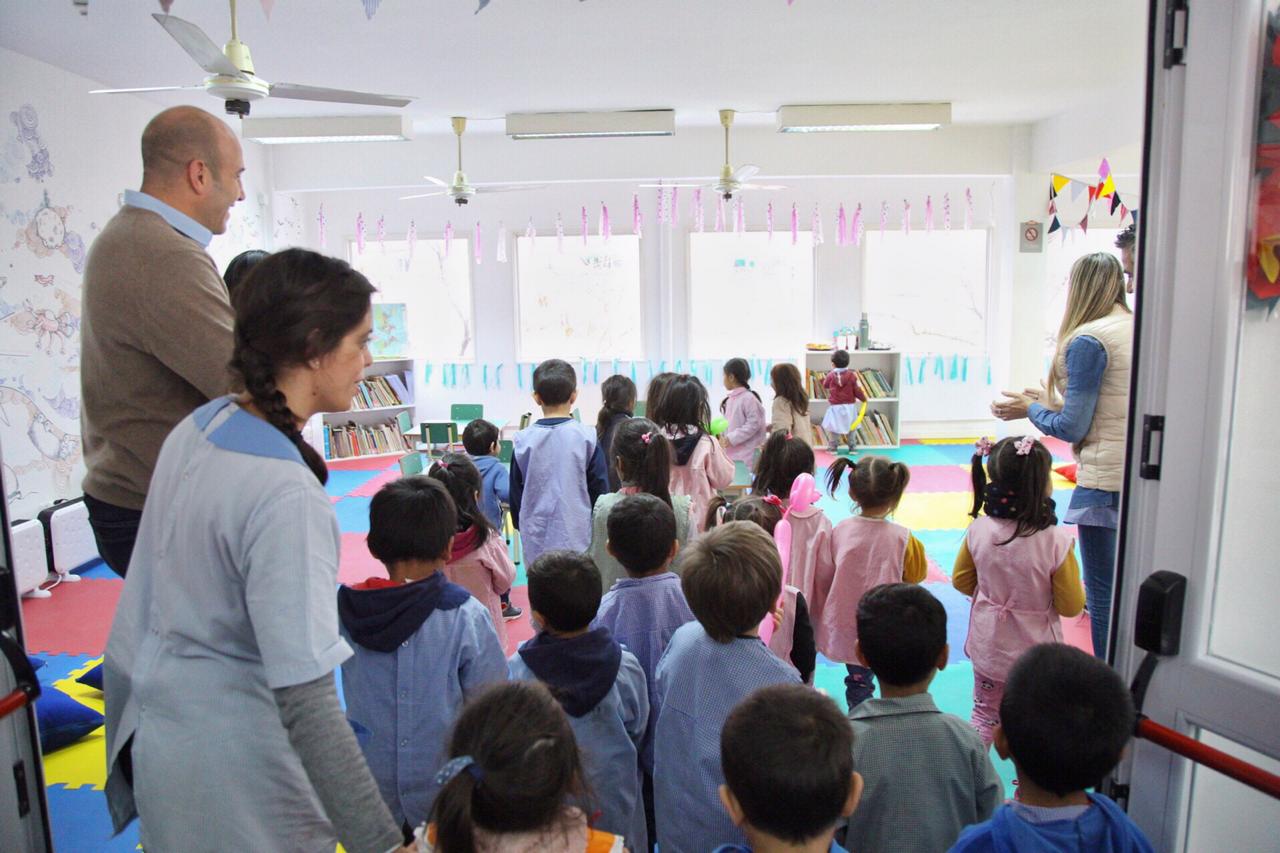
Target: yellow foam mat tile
x=934 y=510
x=83 y=763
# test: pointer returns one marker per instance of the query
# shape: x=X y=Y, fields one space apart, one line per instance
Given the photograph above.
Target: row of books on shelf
x=376 y=392
x=344 y=442
x=876 y=429
x=873 y=382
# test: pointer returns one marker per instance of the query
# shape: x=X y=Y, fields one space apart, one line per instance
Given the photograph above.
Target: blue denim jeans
x=859 y=685
x=1098 y=550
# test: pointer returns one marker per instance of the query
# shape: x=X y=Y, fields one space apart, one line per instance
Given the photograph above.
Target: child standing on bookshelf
x=701 y=464
x=744 y=412
x=867 y=550
x=479 y=561
x=790 y=402
x=844 y=393
x=1018 y=565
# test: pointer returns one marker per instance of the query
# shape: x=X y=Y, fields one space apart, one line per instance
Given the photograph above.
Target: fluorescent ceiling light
x=292 y=131
x=591 y=125
x=835 y=118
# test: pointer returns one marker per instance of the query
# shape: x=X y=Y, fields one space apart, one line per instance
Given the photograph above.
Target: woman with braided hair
x=224 y=730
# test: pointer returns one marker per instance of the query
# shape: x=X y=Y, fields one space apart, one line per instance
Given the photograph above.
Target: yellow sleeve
x=1068 y=594
x=915 y=565
x=964 y=577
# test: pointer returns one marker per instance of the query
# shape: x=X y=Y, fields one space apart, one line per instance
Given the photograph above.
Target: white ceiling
x=997 y=61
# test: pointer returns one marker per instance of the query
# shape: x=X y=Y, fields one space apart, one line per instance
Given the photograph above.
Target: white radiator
x=30 y=562
x=70 y=537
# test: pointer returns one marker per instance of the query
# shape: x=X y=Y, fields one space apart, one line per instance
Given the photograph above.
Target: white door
x=1209 y=361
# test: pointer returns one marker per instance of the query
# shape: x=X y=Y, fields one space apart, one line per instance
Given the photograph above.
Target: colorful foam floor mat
x=69 y=630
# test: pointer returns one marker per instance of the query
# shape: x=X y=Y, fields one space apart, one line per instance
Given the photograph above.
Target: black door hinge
x=1175 y=33
x=1148 y=469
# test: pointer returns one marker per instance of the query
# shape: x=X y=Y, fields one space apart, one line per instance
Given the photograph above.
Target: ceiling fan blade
x=669 y=186
x=336 y=96
x=422 y=195
x=768 y=187
x=145 y=89
x=506 y=188
x=745 y=173
x=431 y=179
x=198 y=45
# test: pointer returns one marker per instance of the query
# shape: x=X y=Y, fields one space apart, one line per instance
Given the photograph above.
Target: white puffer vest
x=1100 y=455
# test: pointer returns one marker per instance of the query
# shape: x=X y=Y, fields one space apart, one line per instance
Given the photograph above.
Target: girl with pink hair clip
x=1017 y=564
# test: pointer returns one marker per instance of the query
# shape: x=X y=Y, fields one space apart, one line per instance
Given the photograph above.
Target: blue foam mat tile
x=925 y=454
x=957 y=607
x=97 y=569
x=81 y=823
x=353 y=514
x=58 y=667
x=344 y=482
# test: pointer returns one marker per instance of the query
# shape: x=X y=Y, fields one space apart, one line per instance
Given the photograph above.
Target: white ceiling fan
x=731 y=180
x=459 y=190
x=232 y=78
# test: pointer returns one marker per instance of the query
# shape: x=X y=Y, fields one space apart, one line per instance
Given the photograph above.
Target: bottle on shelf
x=864 y=333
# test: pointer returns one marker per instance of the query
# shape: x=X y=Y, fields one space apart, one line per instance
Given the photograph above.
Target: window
x=578 y=301
x=749 y=295
x=435 y=290
x=1059 y=255
x=927 y=292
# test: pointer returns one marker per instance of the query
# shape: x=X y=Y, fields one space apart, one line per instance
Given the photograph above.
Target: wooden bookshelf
x=884 y=409
x=377 y=406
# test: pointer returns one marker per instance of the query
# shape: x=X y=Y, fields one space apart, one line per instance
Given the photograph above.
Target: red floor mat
x=75 y=621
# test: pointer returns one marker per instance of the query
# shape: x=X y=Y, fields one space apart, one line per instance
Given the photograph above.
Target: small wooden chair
x=411 y=464
x=439 y=432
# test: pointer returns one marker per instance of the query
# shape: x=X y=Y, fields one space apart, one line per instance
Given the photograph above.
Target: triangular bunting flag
x=1107 y=188
x=1055 y=225
x=1092 y=194
x=1104 y=170
x=1059 y=182
x=1124 y=214
x=1084 y=224
x=1115 y=203
x=1076 y=188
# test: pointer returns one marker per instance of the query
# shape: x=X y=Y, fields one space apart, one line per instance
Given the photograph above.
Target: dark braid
x=294 y=306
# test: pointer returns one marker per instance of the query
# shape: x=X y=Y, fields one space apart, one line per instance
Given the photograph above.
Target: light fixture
x=828 y=118
x=292 y=131
x=591 y=125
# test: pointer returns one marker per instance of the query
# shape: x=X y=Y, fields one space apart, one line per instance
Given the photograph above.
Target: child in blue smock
x=422 y=645
x=732 y=578
x=558 y=469
x=1064 y=720
x=599 y=684
x=787 y=755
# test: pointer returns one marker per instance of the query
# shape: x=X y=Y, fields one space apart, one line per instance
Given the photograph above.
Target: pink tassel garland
x=968 y=209
x=360 y=233
x=815 y=227
x=884 y=217
x=637 y=218
x=906 y=217
x=946 y=212
x=448 y=237
x=675 y=207
x=699 y=218
x=855 y=227
x=842 y=228
x=412 y=239
x=559 y=233
x=740 y=218
x=382 y=234
x=719 y=213
x=768 y=219
x=322 y=232
x=479 y=250
x=928 y=214
x=795 y=225
x=605 y=230
x=585 y=228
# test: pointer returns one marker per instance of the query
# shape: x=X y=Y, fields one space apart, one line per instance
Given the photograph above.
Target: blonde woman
x=1086 y=402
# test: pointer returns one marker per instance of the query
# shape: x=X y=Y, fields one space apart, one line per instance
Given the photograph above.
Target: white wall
x=92 y=147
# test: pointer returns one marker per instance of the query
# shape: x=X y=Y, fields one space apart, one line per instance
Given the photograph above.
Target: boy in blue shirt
x=422 y=645
x=787 y=755
x=480 y=440
x=599 y=684
x=1064 y=720
x=732 y=578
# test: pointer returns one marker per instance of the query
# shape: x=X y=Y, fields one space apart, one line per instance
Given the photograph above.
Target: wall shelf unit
x=882 y=369
x=370 y=428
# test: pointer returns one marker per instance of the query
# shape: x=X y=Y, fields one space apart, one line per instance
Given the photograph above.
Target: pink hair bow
x=789 y=436
x=983 y=446
x=1024 y=445
x=804 y=494
x=647 y=437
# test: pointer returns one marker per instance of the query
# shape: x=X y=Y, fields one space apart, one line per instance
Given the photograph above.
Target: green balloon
x=719 y=426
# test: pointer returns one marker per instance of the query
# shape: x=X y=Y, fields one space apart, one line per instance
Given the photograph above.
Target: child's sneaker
x=510 y=612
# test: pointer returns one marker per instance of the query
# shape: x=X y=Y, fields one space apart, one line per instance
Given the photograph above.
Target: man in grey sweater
x=156 y=331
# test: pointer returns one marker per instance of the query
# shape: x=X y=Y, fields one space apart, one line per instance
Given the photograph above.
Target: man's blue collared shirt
x=176 y=218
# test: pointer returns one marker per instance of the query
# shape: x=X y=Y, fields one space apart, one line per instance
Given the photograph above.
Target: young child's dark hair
x=412 y=518
x=642 y=530
x=741 y=373
x=787 y=756
x=902 y=629
x=1019 y=486
x=479 y=437
x=642 y=455
x=554 y=382
x=525 y=766
x=731 y=577
x=617 y=397
x=1067 y=717
x=239 y=266
x=1128 y=237
x=460 y=476
x=875 y=483
x=783 y=458
x=754 y=508
x=653 y=394
x=840 y=358
x=565 y=589
x=789 y=385
x=682 y=404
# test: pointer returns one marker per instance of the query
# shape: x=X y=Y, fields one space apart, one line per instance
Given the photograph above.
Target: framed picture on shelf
x=390 y=330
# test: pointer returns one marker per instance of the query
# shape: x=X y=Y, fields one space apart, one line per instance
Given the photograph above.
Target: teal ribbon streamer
x=520 y=375
x=634 y=379
x=964 y=369
x=906 y=368
x=484 y=373
x=920 y=374
x=426 y=374
x=466 y=375
x=955 y=367
x=498 y=378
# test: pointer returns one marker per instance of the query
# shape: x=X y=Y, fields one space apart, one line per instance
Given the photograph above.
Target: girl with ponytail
x=479 y=562
x=617 y=404
x=641 y=455
x=867 y=550
x=748 y=424
x=512 y=780
x=240 y=545
x=1016 y=563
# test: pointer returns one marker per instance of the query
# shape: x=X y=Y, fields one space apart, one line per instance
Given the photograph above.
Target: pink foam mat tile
x=356 y=563
x=381 y=463
x=940 y=478
x=371 y=488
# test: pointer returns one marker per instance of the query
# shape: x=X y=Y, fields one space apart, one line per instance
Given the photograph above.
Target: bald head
x=192 y=161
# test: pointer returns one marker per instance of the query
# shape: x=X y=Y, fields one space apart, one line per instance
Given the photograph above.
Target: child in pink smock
x=480 y=562
x=1018 y=565
x=867 y=550
x=748 y=425
x=701 y=466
